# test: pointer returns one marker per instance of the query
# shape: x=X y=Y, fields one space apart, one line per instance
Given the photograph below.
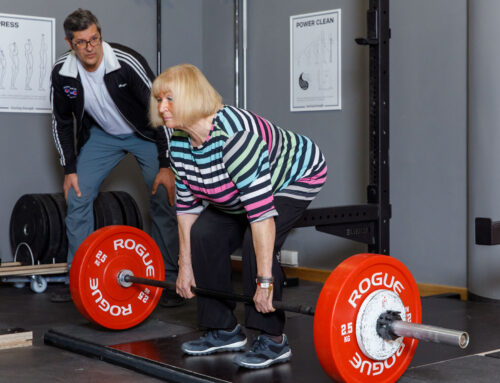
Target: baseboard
x=427 y=289
x=319 y=275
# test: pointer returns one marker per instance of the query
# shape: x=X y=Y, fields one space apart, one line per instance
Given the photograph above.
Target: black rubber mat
x=431 y=363
x=493 y=355
x=480 y=320
x=304 y=366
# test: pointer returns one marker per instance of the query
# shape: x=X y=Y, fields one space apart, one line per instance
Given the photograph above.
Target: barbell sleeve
x=129 y=278
x=430 y=333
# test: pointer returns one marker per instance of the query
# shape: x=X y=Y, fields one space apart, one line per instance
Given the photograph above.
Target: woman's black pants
x=216 y=235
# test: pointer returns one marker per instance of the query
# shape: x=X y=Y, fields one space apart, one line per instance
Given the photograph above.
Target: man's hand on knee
x=166 y=178
x=71 y=181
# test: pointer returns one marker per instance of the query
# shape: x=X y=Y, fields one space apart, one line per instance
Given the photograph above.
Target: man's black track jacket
x=128 y=80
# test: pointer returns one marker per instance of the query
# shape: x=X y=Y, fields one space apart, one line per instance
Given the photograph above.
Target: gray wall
x=428 y=114
x=429 y=138
x=484 y=140
x=218 y=46
x=182 y=26
x=201 y=33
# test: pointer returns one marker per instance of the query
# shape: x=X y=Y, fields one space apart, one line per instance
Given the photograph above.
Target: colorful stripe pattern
x=244 y=163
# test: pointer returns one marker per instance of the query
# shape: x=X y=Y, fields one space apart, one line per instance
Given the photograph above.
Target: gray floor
x=43 y=363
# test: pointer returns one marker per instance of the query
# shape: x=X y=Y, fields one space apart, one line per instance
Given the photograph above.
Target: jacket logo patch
x=122 y=85
x=70 y=92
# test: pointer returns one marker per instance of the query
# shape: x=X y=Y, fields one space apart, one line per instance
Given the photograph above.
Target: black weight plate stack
x=39 y=221
x=131 y=213
x=60 y=202
x=107 y=211
x=55 y=229
x=28 y=224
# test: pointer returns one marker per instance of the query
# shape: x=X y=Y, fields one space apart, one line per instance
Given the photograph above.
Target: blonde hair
x=193 y=96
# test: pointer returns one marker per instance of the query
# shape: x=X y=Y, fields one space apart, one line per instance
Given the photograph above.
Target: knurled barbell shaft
x=430 y=333
x=307 y=310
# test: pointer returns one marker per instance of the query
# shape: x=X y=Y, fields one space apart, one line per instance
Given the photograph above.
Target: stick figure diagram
x=43 y=62
x=26 y=57
x=3 y=68
x=314 y=63
x=28 y=53
x=14 y=58
x=29 y=64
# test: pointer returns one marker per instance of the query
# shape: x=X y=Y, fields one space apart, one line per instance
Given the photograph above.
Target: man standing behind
x=105 y=88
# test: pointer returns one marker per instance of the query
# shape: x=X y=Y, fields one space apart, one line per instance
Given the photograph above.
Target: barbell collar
x=125 y=277
x=384 y=322
x=430 y=333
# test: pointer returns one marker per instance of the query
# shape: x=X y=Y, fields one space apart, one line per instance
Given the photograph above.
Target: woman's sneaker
x=264 y=352
x=215 y=341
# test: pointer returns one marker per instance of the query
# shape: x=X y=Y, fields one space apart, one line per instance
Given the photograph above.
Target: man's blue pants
x=100 y=154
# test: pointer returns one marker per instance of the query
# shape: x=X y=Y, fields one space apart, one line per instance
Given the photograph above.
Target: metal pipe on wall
x=158 y=37
x=236 y=53
x=244 y=54
x=240 y=14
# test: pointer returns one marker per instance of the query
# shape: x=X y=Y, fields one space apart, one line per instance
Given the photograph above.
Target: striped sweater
x=245 y=162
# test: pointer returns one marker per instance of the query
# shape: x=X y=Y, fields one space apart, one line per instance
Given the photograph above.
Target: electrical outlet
x=289 y=257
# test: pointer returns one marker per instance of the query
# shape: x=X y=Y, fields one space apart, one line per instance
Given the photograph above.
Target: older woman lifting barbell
x=256 y=180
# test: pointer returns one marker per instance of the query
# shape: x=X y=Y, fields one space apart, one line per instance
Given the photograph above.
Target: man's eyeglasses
x=83 y=44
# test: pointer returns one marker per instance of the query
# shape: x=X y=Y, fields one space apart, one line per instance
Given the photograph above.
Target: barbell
x=366 y=320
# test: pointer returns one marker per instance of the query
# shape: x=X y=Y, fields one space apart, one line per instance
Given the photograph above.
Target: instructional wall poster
x=27 y=53
x=315 y=61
